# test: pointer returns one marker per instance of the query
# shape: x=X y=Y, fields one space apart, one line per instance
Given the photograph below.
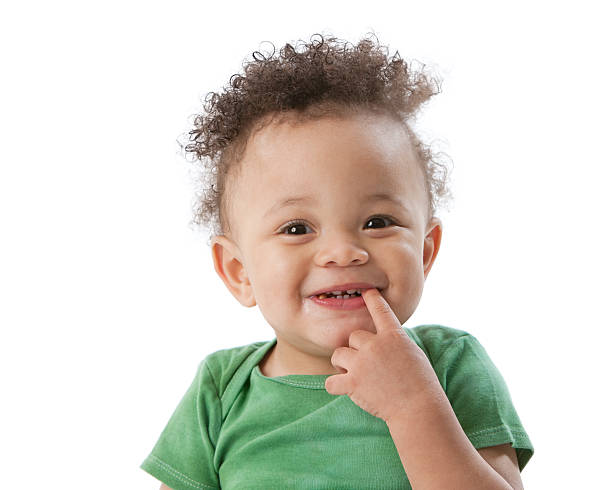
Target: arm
x=164 y=487
x=502 y=459
x=436 y=453
x=433 y=448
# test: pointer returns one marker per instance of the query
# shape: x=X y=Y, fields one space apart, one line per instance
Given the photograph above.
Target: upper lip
x=344 y=287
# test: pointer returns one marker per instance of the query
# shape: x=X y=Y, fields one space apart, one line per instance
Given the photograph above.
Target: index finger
x=382 y=314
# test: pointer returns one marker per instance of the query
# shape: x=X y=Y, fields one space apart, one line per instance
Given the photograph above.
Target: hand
x=387 y=374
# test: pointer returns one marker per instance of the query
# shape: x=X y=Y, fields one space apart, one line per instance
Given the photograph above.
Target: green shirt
x=238 y=429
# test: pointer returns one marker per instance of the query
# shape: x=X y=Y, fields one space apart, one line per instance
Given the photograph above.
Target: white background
x=109 y=299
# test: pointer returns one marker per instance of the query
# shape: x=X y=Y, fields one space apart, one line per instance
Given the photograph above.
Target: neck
x=283 y=360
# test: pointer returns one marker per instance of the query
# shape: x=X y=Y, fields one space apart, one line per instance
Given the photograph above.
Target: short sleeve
x=480 y=398
x=182 y=458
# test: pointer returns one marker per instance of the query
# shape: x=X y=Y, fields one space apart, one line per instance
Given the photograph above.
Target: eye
x=292 y=226
x=375 y=219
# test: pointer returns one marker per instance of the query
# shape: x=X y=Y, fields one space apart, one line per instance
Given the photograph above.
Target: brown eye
x=293 y=227
x=379 y=219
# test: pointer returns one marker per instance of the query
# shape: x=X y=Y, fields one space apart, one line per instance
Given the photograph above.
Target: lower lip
x=340 y=304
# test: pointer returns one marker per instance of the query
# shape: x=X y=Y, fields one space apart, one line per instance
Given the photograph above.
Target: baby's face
x=328 y=173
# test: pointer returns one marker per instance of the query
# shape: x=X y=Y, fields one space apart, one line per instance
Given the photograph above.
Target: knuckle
x=337 y=355
x=382 y=308
x=333 y=358
x=367 y=345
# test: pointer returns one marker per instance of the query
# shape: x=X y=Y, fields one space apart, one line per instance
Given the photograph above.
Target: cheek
x=278 y=276
x=404 y=267
x=400 y=258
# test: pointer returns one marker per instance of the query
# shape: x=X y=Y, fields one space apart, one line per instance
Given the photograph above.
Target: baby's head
x=314 y=181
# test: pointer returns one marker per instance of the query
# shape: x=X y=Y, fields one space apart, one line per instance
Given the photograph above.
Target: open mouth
x=350 y=293
x=341 y=300
x=346 y=294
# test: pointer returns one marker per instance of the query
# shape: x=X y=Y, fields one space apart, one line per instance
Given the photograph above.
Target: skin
x=339 y=162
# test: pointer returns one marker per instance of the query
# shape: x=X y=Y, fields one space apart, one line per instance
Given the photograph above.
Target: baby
x=323 y=203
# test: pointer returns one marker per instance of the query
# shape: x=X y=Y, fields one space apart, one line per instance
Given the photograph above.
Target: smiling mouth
x=342 y=295
x=347 y=294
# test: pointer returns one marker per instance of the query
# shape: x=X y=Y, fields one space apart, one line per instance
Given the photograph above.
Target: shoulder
x=223 y=364
x=436 y=339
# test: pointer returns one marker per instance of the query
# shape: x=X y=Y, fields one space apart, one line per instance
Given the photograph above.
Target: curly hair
x=328 y=77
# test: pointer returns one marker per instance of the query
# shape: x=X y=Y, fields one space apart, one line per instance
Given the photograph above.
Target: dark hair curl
x=328 y=77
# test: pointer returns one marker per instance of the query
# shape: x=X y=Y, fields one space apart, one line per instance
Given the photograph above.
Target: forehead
x=329 y=159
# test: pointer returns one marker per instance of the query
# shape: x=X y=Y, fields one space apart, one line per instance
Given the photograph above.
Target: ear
x=230 y=268
x=431 y=244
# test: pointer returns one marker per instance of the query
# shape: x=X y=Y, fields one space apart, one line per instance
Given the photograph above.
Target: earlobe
x=431 y=244
x=230 y=268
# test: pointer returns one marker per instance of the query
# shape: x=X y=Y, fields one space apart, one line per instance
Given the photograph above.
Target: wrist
x=429 y=402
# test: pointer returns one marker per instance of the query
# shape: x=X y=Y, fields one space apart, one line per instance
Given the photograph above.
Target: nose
x=341 y=250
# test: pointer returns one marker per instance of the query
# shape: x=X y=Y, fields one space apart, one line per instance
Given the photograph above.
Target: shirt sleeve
x=480 y=398
x=182 y=458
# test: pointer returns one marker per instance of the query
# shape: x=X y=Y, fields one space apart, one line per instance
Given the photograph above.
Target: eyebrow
x=293 y=201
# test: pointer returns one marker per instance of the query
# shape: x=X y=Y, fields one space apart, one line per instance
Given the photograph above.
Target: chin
x=341 y=339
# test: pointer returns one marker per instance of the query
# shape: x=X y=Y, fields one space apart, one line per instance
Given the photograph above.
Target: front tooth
x=336 y=292
x=351 y=291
